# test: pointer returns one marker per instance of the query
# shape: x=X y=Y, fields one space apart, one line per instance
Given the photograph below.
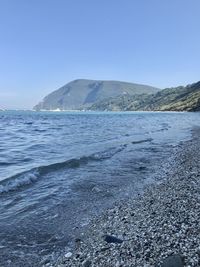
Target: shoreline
x=161 y=225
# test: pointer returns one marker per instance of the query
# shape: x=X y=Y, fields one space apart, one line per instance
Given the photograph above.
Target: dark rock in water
x=78 y=240
x=112 y=239
x=173 y=261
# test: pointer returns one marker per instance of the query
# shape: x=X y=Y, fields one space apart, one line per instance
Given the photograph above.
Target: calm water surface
x=59 y=169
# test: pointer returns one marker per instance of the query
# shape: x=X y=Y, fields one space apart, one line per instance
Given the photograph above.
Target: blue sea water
x=57 y=170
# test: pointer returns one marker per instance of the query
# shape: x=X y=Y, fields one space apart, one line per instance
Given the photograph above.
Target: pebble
x=112 y=239
x=173 y=261
x=87 y=263
x=68 y=255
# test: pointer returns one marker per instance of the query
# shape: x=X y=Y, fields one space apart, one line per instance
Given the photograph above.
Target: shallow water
x=59 y=169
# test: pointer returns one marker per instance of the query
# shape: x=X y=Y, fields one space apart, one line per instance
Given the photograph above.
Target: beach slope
x=159 y=228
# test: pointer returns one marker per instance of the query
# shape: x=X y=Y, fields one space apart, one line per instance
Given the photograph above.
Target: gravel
x=159 y=228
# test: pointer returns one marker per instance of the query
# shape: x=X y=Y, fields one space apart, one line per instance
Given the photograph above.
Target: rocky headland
x=99 y=95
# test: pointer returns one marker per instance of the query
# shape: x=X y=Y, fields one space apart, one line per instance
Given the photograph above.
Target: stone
x=68 y=255
x=112 y=239
x=87 y=263
x=173 y=261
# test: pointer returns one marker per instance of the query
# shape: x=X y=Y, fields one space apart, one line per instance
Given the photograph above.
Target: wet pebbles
x=160 y=228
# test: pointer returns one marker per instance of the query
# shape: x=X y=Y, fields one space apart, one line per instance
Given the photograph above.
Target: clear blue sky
x=46 y=43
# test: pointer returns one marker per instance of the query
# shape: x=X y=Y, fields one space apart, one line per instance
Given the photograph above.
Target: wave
x=22 y=179
x=5 y=164
x=16 y=181
x=142 y=141
x=28 y=177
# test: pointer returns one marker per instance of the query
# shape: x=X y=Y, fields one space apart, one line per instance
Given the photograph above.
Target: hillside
x=81 y=94
x=171 y=99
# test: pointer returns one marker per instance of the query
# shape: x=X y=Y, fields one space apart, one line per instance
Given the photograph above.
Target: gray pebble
x=173 y=261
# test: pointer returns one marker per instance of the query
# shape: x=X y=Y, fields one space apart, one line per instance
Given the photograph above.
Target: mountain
x=171 y=99
x=81 y=94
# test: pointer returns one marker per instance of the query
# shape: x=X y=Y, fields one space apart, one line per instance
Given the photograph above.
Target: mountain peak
x=82 y=93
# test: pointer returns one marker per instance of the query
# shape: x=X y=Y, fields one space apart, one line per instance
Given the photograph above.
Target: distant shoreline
x=93 y=111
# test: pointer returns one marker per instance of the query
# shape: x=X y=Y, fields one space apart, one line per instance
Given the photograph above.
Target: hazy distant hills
x=81 y=94
x=172 y=99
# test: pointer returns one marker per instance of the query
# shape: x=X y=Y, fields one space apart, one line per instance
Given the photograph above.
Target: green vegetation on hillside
x=170 y=99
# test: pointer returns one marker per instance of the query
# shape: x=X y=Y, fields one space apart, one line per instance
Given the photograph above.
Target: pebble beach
x=159 y=228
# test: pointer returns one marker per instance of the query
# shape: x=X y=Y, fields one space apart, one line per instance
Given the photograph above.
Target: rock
x=173 y=261
x=68 y=255
x=96 y=189
x=112 y=239
x=87 y=263
x=78 y=240
x=104 y=249
x=45 y=261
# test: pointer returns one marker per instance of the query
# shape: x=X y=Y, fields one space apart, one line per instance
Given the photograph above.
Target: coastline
x=162 y=224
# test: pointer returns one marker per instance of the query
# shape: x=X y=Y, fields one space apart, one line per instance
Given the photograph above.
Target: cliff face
x=81 y=94
x=172 y=99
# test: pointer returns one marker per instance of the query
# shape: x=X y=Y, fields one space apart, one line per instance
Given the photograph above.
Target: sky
x=45 y=44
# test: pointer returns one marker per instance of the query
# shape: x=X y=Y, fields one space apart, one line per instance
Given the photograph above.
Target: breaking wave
x=28 y=177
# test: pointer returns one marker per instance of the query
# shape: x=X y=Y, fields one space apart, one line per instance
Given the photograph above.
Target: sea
x=58 y=170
